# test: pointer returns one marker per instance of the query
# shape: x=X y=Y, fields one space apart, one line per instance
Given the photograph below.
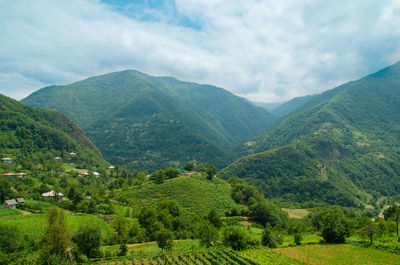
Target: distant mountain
x=341 y=147
x=27 y=132
x=268 y=106
x=288 y=107
x=151 y=122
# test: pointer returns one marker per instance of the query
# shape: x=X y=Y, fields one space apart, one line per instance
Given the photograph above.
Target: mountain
x=341 y=147
x=149 y=122
x=288 y=107
x=268 y=106
x=28 y=133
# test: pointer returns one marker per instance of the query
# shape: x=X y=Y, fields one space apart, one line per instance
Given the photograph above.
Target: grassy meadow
x=194 y=194
x=339 y=254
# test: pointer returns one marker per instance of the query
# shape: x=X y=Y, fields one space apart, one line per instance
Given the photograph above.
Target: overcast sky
x=268 y=51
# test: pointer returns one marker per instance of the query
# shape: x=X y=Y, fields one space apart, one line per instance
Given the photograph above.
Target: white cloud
x=263 y=50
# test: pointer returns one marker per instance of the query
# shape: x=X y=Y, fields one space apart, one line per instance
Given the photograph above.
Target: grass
x=267 y=256
x=9 y=212
x=339 y=254
x=195 y=195
x=296 y=213
x=34 y=225
x=288 y=240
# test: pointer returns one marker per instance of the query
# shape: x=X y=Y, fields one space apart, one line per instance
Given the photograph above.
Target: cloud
x=263 y=50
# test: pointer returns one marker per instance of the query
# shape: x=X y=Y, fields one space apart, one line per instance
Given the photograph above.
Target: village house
x=96 y=174
x=53 y=195
x=10 y=204
x=20 y=200
x=13 y=175
x=7 y=160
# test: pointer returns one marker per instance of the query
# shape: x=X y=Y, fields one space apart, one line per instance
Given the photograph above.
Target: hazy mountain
x=268 y=106
x=151 y=122
x=342 y=146
x=288 y=107
x=27 y=132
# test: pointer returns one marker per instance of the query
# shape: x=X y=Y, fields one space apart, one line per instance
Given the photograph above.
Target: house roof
x=96 y=173
x=11 y=202
x=9 y=174
x=52 y=193
x=20 y=200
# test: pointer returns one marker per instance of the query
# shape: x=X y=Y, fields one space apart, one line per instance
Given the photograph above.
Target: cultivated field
x=339 y=254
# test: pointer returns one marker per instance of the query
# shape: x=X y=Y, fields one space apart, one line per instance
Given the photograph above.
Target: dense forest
x=340 y=147
x=148 y=122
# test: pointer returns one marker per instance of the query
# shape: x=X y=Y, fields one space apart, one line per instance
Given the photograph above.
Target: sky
x=264 y=50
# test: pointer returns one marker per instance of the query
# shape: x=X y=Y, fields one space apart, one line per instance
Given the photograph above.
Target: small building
x=111 y=167
x=72 y=154
x=53 y=195
x=20 y=200
x=10 y=204
x=96 y=174
x=10 y=175
x=57 y=158
x=21 y=175
x=7 y=160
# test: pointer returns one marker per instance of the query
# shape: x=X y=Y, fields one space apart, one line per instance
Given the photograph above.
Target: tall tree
x=56 y=240
x=88 y=240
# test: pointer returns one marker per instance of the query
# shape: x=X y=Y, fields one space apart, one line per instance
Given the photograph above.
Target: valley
x=171 y=172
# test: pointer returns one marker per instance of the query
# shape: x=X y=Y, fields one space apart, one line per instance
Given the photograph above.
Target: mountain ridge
x=124 y=109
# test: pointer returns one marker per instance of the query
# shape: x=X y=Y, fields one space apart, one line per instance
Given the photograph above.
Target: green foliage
x=235 y=237
x=333 y=224
x=88 y=240
x=268 y=239
x=207 y=233
x=189 y=166
x=10 y=238
x=194 y=195
x=31 y=135
x=340 y=147
x=56 y=240
x=5 y=189
x=164 y=239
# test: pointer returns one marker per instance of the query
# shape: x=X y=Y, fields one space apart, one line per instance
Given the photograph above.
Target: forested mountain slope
x=342 y=146
x=27 y=133
x=152 y=122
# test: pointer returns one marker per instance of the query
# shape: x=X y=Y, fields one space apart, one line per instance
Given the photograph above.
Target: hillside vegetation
x=154 y=122
x=27 y=134
x=340 y=147
x=191 y=193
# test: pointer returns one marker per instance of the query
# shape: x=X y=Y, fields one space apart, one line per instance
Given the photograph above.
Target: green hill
x=288 y=107
x=341 y=147
x=195 y=194
x=27 y=132
x=151 y=122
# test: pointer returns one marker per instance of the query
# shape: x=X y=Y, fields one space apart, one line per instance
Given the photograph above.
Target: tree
x=368 y=229
x=158 y=176
x=393 y=212
x=214 y=218
x=164 y=238
x=88 y=240
x=207 y=233
x=5 y=189
x=171 y=172
x=267 y=238
x=121 y=226
x=189 y=166
x=334 y=225
x=56 y=240
x=235 y=237
x=211 y=171
x=10 y=238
